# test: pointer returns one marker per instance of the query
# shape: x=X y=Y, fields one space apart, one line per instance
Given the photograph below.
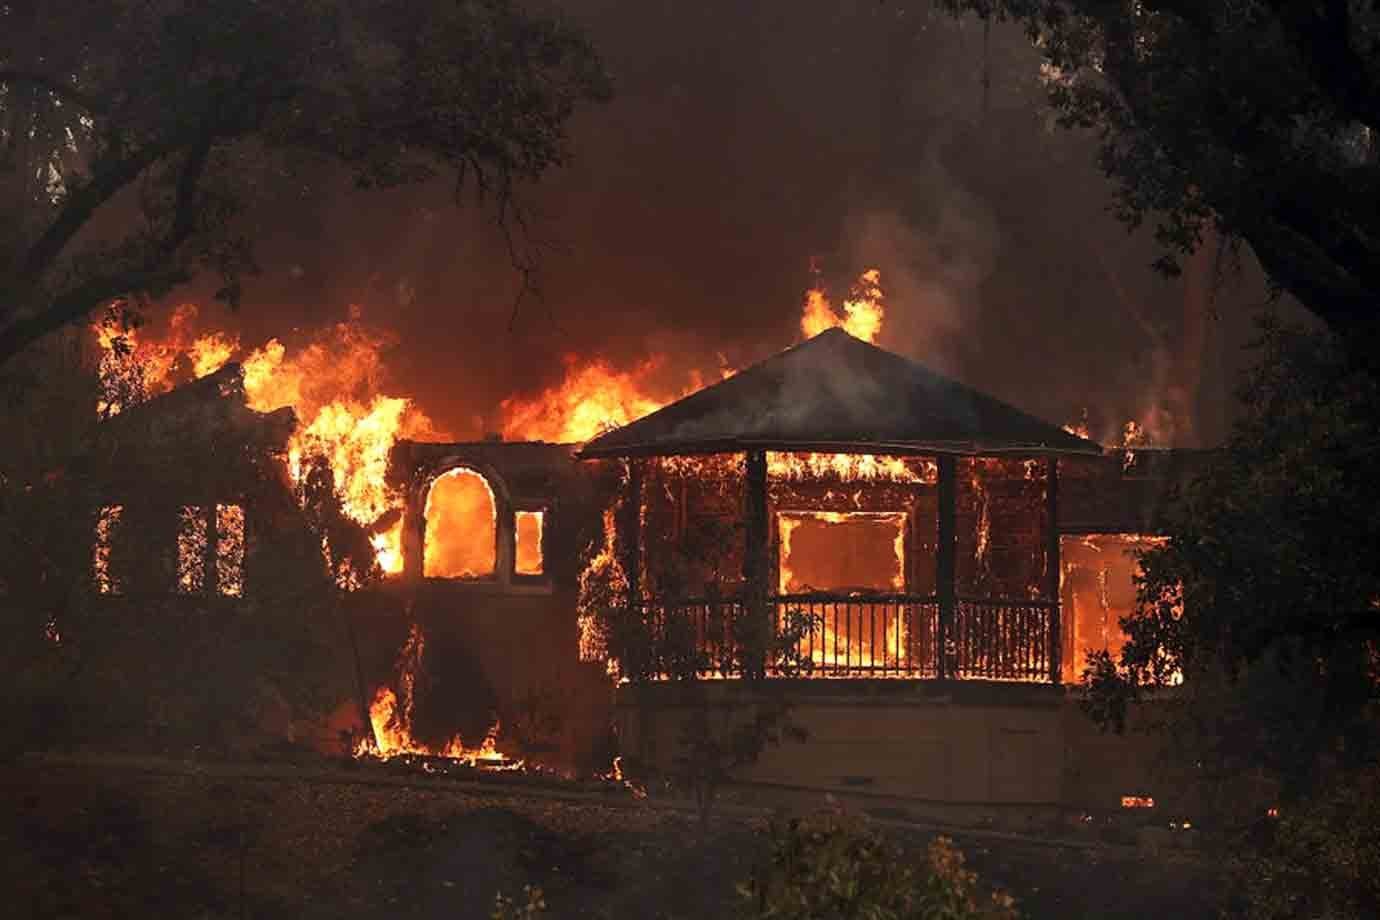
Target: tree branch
x=80 y=205
x=1324 y=43
x=80 y=300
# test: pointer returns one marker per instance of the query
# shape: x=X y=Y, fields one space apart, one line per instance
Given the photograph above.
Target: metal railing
x=993 y=639
x=862 y=636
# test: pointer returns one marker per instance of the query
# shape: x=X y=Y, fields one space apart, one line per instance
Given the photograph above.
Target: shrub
x=1320 y=858
x=834 y=866
x=506 y=908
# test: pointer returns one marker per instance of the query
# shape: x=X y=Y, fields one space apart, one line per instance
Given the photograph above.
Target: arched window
x=461 y=526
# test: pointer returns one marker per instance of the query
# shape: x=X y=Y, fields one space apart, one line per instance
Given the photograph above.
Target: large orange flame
x=592 y=399
x=334 y=384
x=863 y=311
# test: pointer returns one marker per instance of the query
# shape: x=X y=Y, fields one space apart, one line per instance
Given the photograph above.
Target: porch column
x=1056 y=647
x=945 y=568
x=632 y=532
x=755 y=574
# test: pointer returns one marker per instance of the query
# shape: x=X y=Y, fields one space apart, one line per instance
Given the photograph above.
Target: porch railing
x=870 y=636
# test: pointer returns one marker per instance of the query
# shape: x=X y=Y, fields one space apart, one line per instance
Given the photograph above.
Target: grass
x=99 y=841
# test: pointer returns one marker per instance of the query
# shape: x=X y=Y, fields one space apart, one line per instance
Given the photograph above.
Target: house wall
x=1006 y=751
x=501 y=647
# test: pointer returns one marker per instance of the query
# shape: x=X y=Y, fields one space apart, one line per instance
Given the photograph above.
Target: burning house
x=952 y=558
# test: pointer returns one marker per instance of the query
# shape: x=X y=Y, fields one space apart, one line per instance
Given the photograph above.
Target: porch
x=901 y=608
x=868 y=517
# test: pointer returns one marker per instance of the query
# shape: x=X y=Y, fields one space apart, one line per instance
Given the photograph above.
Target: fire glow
x=390 y=718
x=333 y=384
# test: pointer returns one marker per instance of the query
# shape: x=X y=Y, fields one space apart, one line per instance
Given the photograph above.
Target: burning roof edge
x=798 y=399
x=223 y=387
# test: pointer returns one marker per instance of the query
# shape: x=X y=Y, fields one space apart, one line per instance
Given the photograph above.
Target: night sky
x=745 y=141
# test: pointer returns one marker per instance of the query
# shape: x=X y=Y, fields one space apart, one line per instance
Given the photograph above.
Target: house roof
x=835 y=393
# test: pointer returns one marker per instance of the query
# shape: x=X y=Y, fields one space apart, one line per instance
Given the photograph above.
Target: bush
x=834 y=866
x=1319 y=858
x=506 y=908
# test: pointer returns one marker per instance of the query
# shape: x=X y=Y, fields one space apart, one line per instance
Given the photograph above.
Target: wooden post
x=755 y=570
x=1052 y=569
x=632 y=532
x=945 y=563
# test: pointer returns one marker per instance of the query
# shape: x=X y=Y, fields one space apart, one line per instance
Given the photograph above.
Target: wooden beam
x=1056 y=649
x=946 y=562
x=756 y=530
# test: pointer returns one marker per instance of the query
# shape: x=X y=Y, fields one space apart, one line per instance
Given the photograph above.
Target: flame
x=983 y=537
x=851 y=467
x=528 y=525
x=602 y=580
x=1079 y=427
x=230 y=550
x=1137 y=801
x=107 y=522
x=333 y=384
x=390 y=717
x=863 y=311
x=590 y=400
x=461 y=528
x=828 y=650
x=134 y=367
x=192 y=535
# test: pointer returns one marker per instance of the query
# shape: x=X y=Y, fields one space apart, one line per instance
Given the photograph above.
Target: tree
x=1256 y=118
x=132 y=135
x=1265 y=601
x=148 y=665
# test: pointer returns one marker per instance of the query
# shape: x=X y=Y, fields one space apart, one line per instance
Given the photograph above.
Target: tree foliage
x=148 y=666
x=835 y=866
x=1258 y=118
x=133 y=134
x=1266 y=597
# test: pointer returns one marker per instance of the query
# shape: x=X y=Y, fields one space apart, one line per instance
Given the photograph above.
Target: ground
x=99 y=839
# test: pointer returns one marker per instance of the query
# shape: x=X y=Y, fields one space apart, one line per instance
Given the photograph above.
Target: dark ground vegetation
x=211 y=841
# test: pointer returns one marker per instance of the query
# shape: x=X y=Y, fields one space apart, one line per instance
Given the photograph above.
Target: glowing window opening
x=192 y=536
x=1097 y=589
x=845 y=575
x=107 y=524
x=230 y=550
x=528 y=559
x=461 y=534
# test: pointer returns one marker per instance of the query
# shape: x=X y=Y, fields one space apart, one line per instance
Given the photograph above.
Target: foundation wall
x=990 y=747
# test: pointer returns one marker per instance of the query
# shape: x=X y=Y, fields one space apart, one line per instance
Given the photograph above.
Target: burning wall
x=1098 y=589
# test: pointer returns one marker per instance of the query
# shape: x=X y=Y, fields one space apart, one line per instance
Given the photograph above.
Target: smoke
x=933 y=266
